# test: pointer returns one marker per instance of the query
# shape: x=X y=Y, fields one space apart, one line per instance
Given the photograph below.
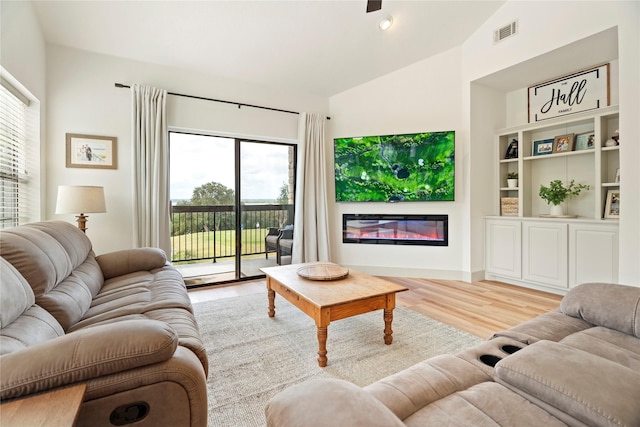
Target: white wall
x=629 y=47
x=485 y=115
x=23 y=56
x=23 y=47
x=423 y=97
x=82 y=99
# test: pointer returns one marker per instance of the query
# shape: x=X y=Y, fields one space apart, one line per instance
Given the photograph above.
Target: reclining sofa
x=575 y=366
x=121 y=323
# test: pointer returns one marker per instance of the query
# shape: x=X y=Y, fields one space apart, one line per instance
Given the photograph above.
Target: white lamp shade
x=80 y=199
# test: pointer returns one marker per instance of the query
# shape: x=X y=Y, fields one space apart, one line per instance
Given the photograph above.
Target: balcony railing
x=209 y=232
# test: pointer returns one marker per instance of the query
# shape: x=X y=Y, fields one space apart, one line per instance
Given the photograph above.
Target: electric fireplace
x=383 y=229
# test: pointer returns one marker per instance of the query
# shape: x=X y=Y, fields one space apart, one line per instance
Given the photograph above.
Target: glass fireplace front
x=383 y=229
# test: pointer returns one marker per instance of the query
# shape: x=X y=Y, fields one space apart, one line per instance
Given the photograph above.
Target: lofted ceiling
x=304 y=46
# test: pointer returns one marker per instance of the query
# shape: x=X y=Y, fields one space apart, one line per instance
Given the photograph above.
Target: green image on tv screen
x=393 y=168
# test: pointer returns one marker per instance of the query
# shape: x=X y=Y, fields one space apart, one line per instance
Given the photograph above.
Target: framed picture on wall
x=91 y=151
x=612 y=207
x=557 y=97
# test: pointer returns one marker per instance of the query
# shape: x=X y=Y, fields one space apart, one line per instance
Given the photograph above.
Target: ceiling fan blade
x=373 y=5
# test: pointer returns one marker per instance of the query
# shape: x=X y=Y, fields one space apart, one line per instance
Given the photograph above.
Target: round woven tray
x=323 y=272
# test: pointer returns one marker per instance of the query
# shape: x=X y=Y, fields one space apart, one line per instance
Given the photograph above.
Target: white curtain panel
x=151 y=168
x=311 y=231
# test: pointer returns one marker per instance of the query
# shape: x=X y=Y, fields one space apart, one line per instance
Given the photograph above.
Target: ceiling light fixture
x=385 y=23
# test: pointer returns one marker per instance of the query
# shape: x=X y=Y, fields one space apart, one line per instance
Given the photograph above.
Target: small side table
x=58 y=408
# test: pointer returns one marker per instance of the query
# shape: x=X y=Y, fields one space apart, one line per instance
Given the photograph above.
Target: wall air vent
x=505 y=32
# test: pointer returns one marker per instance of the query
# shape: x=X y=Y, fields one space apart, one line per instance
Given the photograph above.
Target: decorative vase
x=556 y=210
x=512 y=183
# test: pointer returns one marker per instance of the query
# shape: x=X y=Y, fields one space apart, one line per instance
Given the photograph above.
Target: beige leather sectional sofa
x=576 y=366
x=121 y=323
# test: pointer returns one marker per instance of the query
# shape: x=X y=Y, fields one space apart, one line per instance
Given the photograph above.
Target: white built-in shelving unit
x=595 y=167
x=534 y=250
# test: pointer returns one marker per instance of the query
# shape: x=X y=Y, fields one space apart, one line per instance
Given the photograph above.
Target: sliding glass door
x=267 y=183
x=227 y=195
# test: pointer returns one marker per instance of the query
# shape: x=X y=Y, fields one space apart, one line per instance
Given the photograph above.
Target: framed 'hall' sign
x=575 y=93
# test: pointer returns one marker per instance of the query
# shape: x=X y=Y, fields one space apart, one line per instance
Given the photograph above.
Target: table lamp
x=80 y=199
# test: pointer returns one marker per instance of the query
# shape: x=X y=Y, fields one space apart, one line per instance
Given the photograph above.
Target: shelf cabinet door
x=544 y=253
x=503 y=243
x=593 y=253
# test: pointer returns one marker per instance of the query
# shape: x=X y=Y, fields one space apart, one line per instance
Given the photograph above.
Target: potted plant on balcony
x=512 y=179
x=556 y=193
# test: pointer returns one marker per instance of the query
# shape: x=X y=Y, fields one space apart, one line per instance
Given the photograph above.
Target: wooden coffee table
x=57 y=408
x=328 y=300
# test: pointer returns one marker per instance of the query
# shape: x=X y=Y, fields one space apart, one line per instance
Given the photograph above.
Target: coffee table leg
x=272 y=306
x=388 y=318
x=322 y=346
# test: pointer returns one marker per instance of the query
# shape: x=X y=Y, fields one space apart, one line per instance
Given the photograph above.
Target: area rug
x=252 y=356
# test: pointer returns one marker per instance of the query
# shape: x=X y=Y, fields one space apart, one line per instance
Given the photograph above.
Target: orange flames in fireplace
x=388 y=233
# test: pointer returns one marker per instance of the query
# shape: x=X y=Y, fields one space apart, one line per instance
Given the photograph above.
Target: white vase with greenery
x=512 y=179
x=556 y=210
x=556 y=193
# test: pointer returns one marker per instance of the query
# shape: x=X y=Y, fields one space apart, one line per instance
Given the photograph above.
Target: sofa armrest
x=119 y=263
x=330 y=403
x=85 y=354
x=551 y=326
x=568 y=382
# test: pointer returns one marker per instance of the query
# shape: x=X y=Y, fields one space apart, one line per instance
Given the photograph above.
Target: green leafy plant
x=557 y=192
x=512 y=175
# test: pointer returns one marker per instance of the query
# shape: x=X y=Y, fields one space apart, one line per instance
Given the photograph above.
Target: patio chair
x=285 y=245
x=271 y=241
x=280 y=241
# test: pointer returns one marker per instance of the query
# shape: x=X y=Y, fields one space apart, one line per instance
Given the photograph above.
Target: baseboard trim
x=530 y=285
x=474 y=276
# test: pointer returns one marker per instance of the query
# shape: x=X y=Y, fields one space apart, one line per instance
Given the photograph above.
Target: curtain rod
x=240 y=105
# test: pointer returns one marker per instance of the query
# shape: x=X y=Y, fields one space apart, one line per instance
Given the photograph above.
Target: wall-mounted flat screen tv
x=393 y=168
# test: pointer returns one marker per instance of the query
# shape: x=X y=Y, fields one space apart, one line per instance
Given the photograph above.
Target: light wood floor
x=480 y=308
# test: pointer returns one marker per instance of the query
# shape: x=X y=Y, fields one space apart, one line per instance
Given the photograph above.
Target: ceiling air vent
x=505 y=32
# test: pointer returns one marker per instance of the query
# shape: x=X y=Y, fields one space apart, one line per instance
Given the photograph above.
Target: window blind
x=13 y=158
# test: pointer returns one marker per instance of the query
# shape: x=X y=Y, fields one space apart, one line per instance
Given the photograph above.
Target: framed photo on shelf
x=612 y=207
x=91 y=151
x=585 y=141
x=563 y=143
x=542 y=147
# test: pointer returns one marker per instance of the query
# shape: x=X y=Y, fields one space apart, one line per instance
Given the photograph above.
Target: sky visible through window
x=198 y=159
